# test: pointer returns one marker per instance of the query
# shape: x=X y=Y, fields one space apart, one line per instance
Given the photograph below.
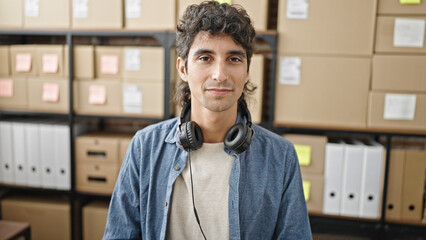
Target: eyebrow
x=232 y=52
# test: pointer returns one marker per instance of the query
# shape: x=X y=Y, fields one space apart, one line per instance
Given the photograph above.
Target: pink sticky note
x=50 y=63
x=97 y=94
x=23 y=62
x=6 y=88
x=109 y=64
x=50 y=92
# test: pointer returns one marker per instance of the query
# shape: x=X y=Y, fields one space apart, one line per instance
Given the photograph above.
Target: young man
x=210 y=173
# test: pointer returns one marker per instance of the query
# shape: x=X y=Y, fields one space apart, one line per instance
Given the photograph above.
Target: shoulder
x=267 y=138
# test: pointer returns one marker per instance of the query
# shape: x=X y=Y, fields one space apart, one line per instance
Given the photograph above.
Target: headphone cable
x=192 y=191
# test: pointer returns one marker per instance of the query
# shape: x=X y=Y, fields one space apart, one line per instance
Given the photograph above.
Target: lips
x=219 y=91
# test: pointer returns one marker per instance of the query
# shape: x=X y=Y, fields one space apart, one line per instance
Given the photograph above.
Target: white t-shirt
x=211 y=168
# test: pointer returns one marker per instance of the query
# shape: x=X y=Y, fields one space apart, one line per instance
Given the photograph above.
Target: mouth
x=219 y=91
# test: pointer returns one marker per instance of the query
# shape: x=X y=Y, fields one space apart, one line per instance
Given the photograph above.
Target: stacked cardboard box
x=323 y=73
x=94 y=219
x=398 y=94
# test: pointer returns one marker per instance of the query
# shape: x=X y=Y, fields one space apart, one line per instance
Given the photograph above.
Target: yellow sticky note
x=410 y=1
x=304 y=154
x=224 y=1
x=306 y=190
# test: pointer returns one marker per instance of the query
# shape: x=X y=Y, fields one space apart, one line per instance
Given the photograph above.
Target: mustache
x=215 y=84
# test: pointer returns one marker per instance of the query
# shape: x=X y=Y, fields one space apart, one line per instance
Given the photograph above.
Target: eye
x=235 y=59
x=204 y=58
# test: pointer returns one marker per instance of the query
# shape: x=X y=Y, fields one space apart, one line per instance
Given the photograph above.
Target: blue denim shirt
x=266 y=198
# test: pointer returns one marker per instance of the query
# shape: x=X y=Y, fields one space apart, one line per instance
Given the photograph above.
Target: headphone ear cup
x=191 y=136
x=238 y=138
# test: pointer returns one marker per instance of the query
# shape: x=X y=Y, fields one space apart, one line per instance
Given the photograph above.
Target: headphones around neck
x=237 y=139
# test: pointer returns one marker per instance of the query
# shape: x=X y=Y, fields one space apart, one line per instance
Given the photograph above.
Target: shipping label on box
x=409 y=32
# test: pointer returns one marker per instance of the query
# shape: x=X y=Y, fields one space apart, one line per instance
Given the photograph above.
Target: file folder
x=33 y=154
x=47 y=155
x=395 y=184
x=7 y=170
x=19 y=153
x=62 y=153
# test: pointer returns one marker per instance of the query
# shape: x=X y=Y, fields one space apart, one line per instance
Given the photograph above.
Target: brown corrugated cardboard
x=255 y=102
x=50 y=59
x=316 y=184
x=48 y=95
x=47 y=14
x=124 y=144
x=18 y=98
x=385 y=37
x=396 y=7
x=143 y=63
x=105 y=98
x=376 y=113
x=84 y=62
x=395 y=184
x=94 y=220
x=332 y=92
x=257 y=10
x=145 y=15
x=98 y=14
x=97 y=148
x=414 y=183
x=4 y=60
x=331 y=27
x=49 y=217
x=399 y=73
x=96 y=177
x=312 y=160
x=11 y=13
x=23 y=60
x=109 y=62
x=150 y=95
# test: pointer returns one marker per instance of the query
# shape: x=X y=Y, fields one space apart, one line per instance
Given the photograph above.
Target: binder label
x=297 y=9
x=400 y=106
x=409 y=32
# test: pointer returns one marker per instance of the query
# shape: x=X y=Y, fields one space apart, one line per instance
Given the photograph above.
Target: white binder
x=47 y=155
x=333 y=167
x=371 y=180
x=7 y=170
x=33 y=154
x=19 y=146
x=62 y=155
x=351 y=179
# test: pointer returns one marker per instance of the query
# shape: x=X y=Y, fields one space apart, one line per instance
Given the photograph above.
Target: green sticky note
x=224 y=1
x=304 y=154
x=410 y=1
x=306 y=190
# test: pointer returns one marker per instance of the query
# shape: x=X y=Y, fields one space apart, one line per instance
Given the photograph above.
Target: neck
x=214 y=124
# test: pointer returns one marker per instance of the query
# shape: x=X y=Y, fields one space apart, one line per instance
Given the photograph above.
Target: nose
x=220 y=72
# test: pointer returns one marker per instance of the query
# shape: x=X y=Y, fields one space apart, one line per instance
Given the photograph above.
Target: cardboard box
x=84 y=62
x=143 y=98
x=49 y=217
x=47 y=14
x=396 y=7
x=327 y=27
x=144 y=15
x=399 y=73
x=257 y=10
x=48 y=95
x=411 y=115
x=94 y=219
x=385 y=32
x=97 y=97
x=413 y=185
x=97 y=148
x=109 y=62
x=310 y=151
x=314 y=184
x=50 y=59
x=327 y=92
x=255 y=101
x=395 y=184
x=143 y=63
x=96 y=177
x=14 y=92
x=11 y=13
x=4 y=60
x=88 y=14
x=23 y=60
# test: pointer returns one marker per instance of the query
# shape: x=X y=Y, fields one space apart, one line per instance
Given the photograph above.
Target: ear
x=180 y=65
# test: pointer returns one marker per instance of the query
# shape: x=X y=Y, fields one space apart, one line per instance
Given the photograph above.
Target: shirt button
x=165 y=204
x=177 y=168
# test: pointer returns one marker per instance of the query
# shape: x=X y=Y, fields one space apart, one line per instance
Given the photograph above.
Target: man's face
x=216 y=71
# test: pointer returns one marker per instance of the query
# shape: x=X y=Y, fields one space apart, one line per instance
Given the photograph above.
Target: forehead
x=205 y=40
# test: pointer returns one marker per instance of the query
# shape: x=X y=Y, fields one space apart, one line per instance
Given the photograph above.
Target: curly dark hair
x=216 y=19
